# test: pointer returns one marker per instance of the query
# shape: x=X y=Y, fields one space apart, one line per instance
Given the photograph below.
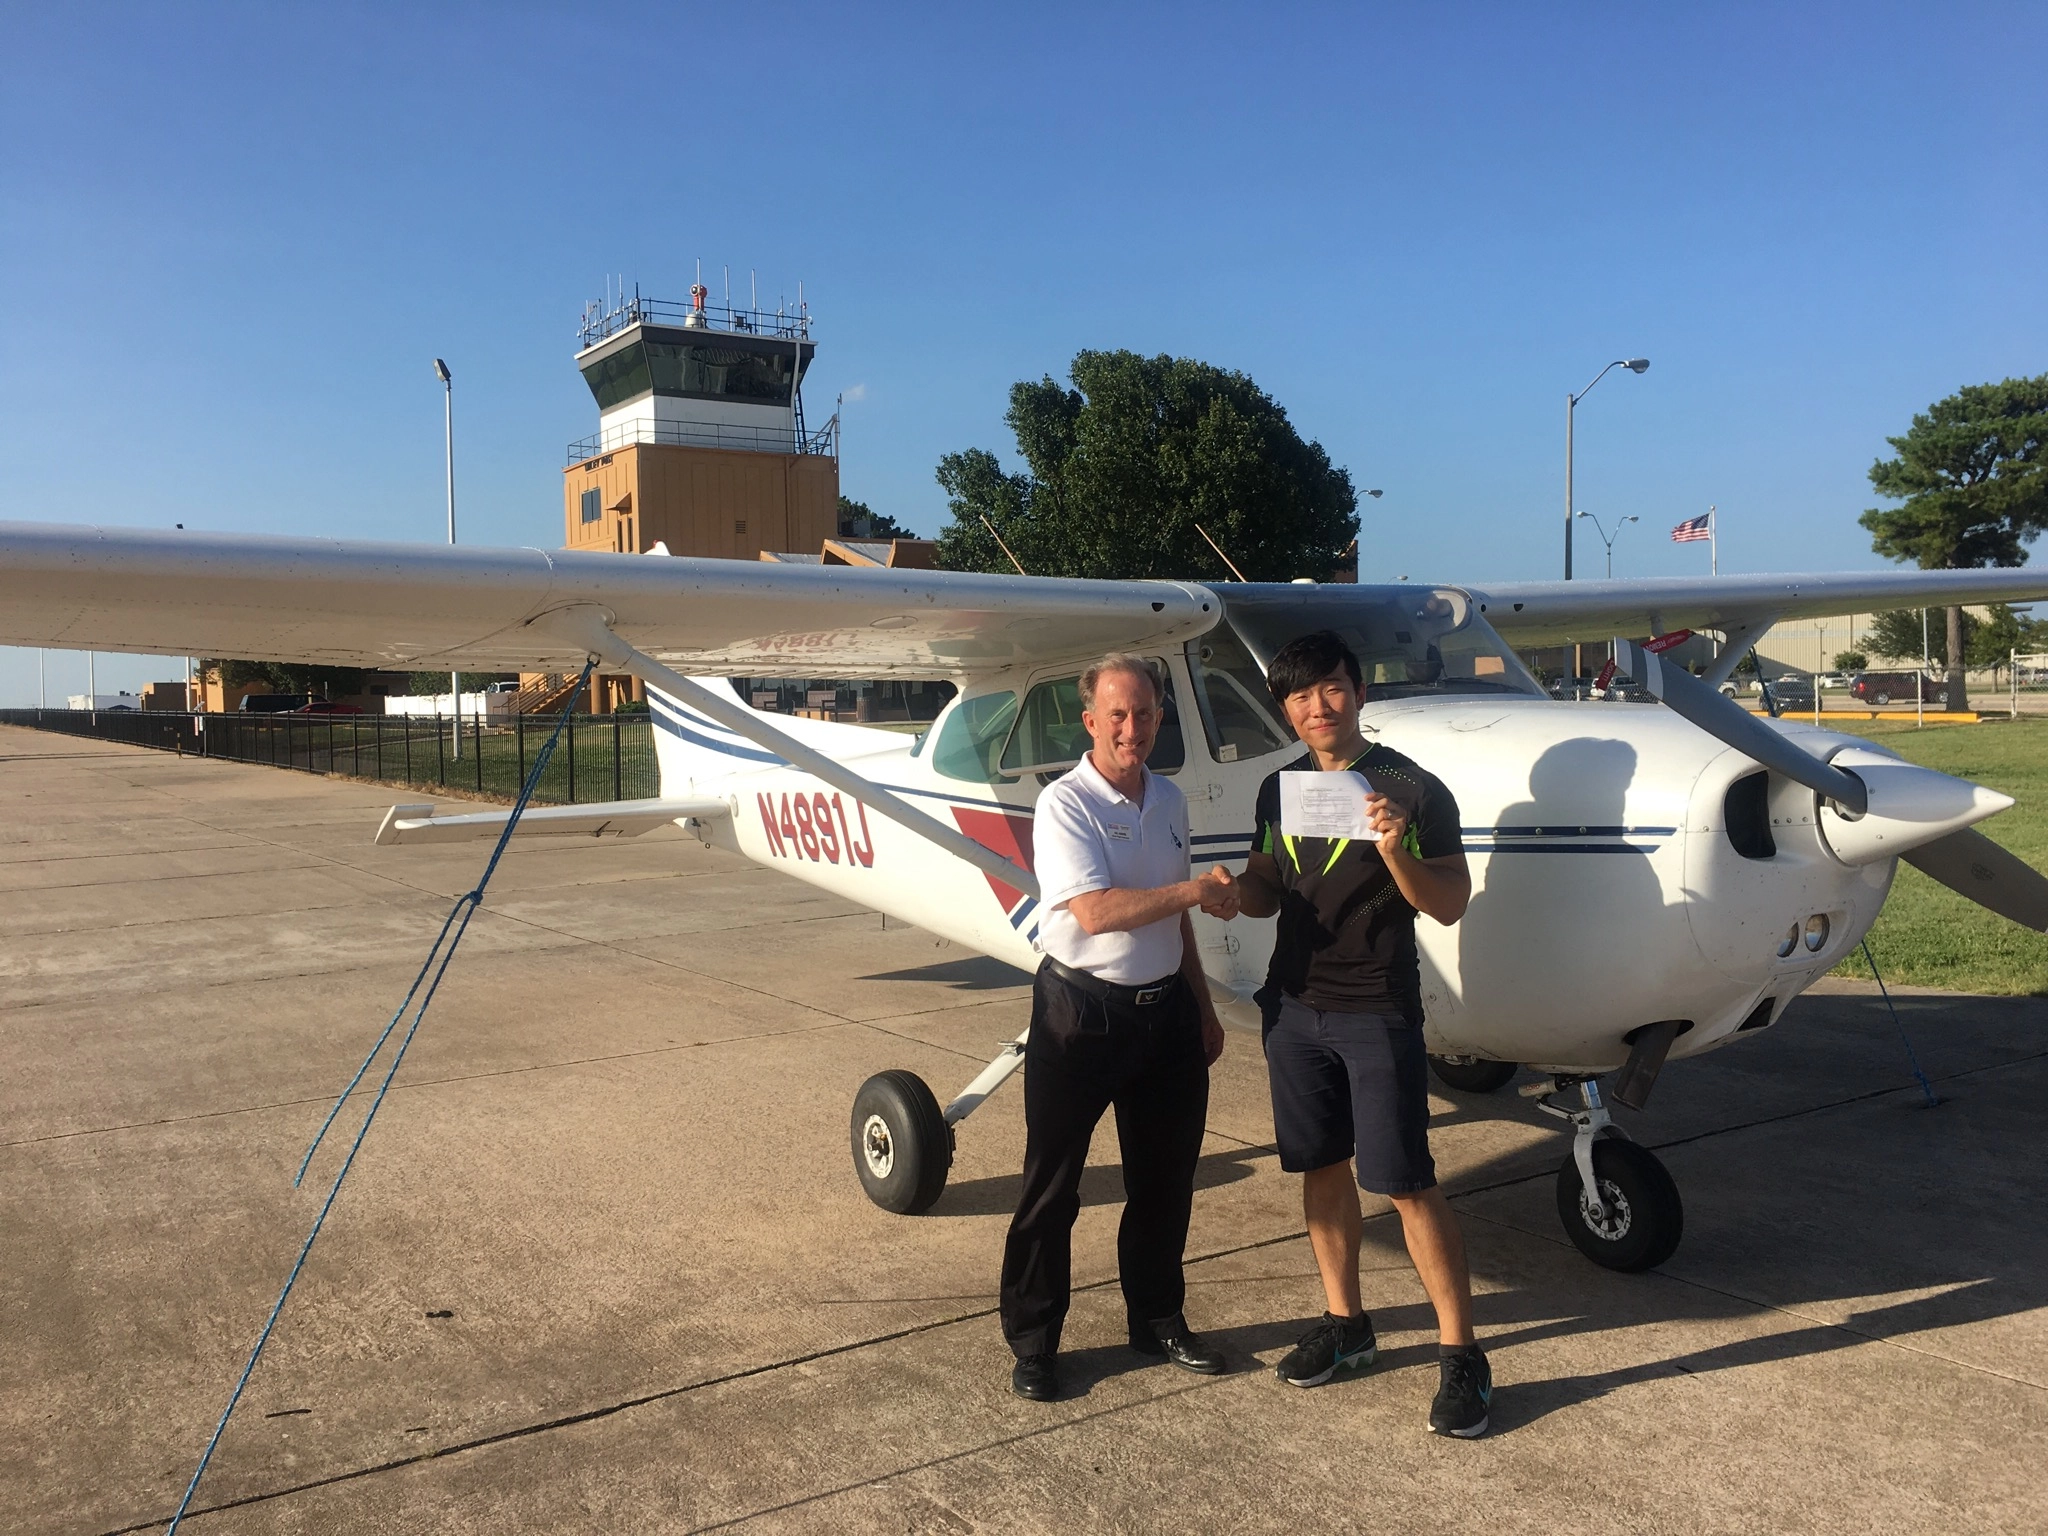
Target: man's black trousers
x=1084 y=1056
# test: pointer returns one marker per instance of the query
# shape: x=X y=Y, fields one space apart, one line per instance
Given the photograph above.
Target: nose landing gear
x=1618 y=1204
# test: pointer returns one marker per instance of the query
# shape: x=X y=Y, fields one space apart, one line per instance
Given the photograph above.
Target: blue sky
x=233 y=238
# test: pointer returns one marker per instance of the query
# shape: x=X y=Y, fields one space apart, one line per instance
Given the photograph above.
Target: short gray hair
x=1123 y=661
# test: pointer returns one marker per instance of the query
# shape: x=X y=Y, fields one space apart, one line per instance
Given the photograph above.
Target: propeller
x=1884 y=809
x=1728 y=722
x=1972 y=865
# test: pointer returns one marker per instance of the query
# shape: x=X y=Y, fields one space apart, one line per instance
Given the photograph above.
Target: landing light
x=1816 y=933
x=1788 y=943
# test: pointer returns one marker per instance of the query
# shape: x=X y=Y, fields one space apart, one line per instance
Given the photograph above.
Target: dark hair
x=1305 y=662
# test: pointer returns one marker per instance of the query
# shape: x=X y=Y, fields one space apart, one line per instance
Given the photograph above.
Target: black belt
x=1114 y=992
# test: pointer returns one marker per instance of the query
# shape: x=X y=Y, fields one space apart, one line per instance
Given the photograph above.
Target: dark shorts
x=1351 y=1085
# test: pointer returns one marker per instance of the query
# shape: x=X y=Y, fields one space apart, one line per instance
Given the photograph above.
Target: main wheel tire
x=1644 y=1218
x=1472 y=1074
x=902 y=1146
x=1880 y=697
x=1941 y=698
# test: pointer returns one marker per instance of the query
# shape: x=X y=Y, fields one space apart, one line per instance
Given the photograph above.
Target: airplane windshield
x=1412 y=642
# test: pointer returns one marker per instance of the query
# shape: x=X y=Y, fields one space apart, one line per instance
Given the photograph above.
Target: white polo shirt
x=1089 y=837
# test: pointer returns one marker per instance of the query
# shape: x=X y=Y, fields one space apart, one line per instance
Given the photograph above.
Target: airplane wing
x=1566 y=612
x=437 y=608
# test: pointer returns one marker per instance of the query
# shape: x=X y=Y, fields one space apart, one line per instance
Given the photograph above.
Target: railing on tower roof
x=706 y=434
x=600 y=323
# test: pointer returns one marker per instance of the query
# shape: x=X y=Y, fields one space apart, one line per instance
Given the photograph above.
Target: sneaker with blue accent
x=1463 y=1395
x=1335 y=1346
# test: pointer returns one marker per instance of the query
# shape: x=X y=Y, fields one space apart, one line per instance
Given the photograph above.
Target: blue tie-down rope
x=436 y=964
x=1912 y=1059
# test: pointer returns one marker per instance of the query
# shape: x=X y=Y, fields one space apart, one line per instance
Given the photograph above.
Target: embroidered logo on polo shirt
x=1121 y=834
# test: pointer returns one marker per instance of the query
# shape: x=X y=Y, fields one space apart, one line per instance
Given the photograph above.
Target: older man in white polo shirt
x=1120 y=1016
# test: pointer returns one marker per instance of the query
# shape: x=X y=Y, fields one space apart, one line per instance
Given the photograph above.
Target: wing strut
x=587 y=626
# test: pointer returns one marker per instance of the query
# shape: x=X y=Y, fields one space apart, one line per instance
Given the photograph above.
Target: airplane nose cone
x=1910 y=806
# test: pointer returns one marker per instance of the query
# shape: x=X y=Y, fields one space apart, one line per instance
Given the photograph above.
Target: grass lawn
x=1930 y=937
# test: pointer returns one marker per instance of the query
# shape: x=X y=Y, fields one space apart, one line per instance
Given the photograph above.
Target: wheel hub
x=877 y=1146
x=1613 y=1223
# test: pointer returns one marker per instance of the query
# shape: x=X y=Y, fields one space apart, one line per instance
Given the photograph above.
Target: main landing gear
x=1618 y=1204
x=903 y=1141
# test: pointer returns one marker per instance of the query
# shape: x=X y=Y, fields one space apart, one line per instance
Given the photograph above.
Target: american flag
x=1693 y=529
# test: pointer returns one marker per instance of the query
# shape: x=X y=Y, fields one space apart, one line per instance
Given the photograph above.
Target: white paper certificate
x=1324 y=804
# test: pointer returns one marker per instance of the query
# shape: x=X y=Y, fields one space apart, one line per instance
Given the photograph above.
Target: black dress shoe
x=1170 y=1338
x=1036 y=1377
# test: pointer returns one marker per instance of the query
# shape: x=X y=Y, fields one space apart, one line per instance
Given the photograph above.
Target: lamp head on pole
x=441 y=372
x=1375 y=495
x=1636 y=364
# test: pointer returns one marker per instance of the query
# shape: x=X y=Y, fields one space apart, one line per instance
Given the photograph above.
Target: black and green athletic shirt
x=1346 y=937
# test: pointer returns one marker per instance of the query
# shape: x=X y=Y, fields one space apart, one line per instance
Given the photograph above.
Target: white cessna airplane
x=1720 y=861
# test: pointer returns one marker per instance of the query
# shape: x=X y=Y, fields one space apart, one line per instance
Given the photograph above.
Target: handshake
x=1220 y=896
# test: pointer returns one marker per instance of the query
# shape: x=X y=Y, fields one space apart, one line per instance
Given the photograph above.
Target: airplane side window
x=1050 y=734
x=1230 y=691
x=970 y=736
x=1049 y=731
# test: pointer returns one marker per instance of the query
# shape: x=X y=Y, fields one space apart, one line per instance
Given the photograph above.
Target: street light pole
x=1571 y=403
x=448 y=434
x=1608 y=539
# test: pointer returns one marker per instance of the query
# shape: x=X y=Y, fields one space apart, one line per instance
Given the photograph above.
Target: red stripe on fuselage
x=1003 y=833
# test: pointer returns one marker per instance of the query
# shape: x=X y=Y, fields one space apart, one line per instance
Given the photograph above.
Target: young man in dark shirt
x=1344 y=1050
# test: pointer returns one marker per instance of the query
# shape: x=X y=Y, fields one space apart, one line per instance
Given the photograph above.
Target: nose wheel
x=1618 y=1203
x=1640 y=1218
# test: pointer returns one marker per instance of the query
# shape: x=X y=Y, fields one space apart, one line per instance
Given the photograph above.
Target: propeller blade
x=1728 y=722
x=1972 y=865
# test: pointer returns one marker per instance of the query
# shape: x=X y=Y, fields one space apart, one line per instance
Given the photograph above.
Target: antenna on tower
x=753 y=290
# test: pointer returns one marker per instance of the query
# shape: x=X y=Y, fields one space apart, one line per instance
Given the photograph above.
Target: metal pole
x=448 y=436
x=1570 y=405
x=92 y=687
x=1713 y=541
x=42 y=679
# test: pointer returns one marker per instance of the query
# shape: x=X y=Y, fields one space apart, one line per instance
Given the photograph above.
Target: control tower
x=701 y=443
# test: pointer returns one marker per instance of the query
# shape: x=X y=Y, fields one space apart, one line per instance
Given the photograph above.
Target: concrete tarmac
x=603 y=1264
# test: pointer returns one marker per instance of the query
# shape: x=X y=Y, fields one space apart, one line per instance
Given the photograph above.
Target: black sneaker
x=1463 y=1397
x=1335 y=1345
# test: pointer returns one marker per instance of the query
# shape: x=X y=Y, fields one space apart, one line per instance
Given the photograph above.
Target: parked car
x=274 y=703
x=1832 y=680
x=324 y=707
x=1792 y=691
x=1887 y=687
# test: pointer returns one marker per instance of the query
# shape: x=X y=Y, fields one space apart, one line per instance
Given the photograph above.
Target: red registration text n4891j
x=815 y=827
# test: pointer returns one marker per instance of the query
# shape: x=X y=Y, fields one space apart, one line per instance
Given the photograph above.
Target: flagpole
x=1714 y=540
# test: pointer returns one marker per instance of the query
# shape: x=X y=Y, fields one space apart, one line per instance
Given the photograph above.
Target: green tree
x=1995 y=639
x=1851 y=661
x=857 y=520
x=1895 y=635
x=1122 y=466
x=1972 y=472
x=289 y=677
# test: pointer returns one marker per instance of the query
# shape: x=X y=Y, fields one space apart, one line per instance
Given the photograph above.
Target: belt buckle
x=1149 y=995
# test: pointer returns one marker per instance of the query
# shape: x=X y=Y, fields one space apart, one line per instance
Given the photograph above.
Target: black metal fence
x=601 y=757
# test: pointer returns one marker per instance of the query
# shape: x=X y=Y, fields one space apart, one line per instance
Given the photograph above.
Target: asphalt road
x=603 y=1265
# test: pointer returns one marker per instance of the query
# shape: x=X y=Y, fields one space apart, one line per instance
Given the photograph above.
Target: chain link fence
x=601 y=757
